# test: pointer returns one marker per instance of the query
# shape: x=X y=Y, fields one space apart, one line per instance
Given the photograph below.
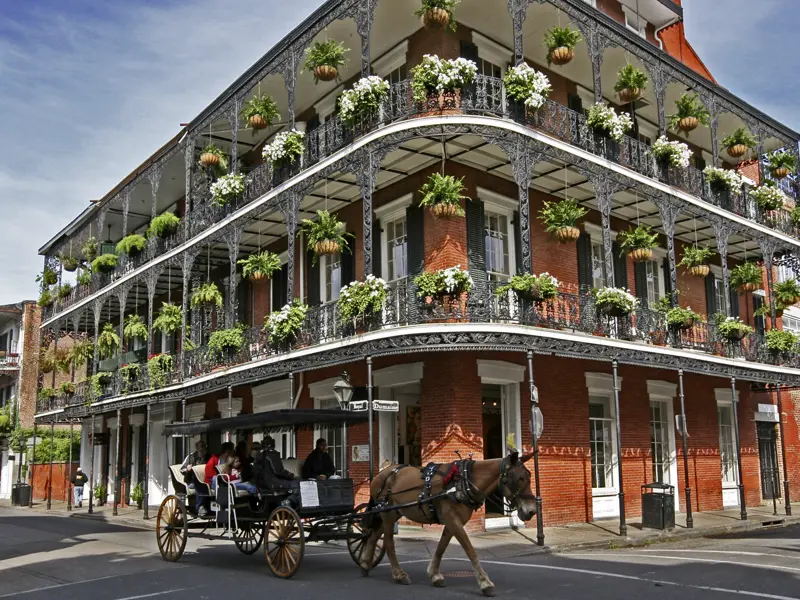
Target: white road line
x=693 y=559
x=733 y=552
x=633 y=578
x=164 y=593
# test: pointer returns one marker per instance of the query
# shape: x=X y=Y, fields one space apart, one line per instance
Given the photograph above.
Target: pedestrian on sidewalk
x=78 y=481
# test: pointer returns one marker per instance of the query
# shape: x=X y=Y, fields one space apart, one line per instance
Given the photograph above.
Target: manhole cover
x=463 y=574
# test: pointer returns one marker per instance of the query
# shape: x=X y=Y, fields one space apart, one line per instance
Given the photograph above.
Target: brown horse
x=472 y=483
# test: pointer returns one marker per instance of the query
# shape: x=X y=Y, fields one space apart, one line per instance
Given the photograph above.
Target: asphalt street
x=44 y=556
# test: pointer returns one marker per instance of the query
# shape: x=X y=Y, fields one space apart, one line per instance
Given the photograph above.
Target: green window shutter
x=313 y=279
x=640 y=278
x=348 y=258
x=243 y=301
x=620 y=266
x=734 y=302
x=518 y=242
x=585 y=279
x=711 y=297
x=280 y=283
x=760 y=321
x=476 y=245
x=469 y=51
x=415 y=221
x=377 y=248
x=667 y=278
x=575 y=103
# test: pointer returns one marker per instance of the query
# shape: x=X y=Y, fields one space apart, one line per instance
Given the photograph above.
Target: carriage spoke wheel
x=170 y=529
x=248 y=538
x=284 y=542
x=357 y=537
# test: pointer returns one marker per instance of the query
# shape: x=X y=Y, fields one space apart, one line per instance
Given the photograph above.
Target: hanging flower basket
x=748 y=287
x=688 y=124
x=326 y=73
x=566 y=235
x=641 y=255
x=208 y=160
x=436 y=18
x=257 y=122
x=780 y=173
x=628 y=95
x=562 y=55
x=326 y=247
x=446 y=211
x=701 y=271
x=737 y=150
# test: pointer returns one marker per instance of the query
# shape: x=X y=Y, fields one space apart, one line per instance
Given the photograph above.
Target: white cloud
x=88 y=93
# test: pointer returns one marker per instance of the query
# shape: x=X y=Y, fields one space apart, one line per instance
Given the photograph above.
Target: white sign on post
x=386 y=405
x=768 y=408
x=359 y=405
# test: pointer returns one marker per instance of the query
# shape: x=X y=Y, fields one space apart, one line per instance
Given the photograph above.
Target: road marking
x=651 y=554
x=156 y=594
x=735 y=552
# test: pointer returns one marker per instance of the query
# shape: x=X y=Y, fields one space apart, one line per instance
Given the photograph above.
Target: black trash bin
x=20 y=494
x=658 y=506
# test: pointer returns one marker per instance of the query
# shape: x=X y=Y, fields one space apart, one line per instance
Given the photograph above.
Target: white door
x=510 y=415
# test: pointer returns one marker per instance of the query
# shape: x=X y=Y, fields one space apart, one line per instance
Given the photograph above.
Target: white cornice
x=393 y=59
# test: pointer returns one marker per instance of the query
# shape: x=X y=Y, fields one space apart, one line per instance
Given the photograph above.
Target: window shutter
x=349 y=262
x=667 y=278
x=711 y=298
x=313 y=279
x=640 y=279
x=469 y=51
x=518 y=241
x=313 y=123
x=699 y=162
x=620 y=266
x=415 y=221
x=584 y=244
x=377 y=248
x=734 y=302
x=243 y=301
x=476 y=245
x=157 y=345
x=575 y=103
x=758 y=302
x=279 y=285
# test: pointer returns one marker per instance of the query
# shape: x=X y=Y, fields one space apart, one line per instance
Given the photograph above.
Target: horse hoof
x=403 y=580
x=488 y=591
x=364 y=572
x=438 y=581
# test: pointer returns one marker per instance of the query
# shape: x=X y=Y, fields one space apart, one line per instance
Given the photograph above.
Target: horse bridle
x=514 y=495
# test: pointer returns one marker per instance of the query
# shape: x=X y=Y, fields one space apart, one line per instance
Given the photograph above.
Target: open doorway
x=492 y=405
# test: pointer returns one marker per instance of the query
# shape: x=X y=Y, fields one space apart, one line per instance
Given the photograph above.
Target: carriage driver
x=319 y=464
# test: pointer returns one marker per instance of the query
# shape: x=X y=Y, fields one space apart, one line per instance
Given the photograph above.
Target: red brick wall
x=29 y=368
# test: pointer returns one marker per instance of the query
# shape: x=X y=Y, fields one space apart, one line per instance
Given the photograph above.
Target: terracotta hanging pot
x=562 y=55
x=748 y=287
x=326 y=72
x=436 y=18
x=688 y=124
x=324 y=247
x=700 y=270
x=257 y=276
x=737 y=150
x=641 y=254
x=257 y=122
x=566 y=235
x=445 y=211
x=208 y=159
x=629 y=95
x=780 y=173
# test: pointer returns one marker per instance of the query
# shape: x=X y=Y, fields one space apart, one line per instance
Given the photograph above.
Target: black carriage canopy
x=273 y=421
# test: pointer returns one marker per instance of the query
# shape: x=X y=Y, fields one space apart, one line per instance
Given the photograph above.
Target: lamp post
x=343 y=392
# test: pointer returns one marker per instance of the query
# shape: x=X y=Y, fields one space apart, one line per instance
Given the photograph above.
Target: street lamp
x=343 y=391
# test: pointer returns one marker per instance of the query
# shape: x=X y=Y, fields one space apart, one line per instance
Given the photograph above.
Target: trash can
x=20 y=494
x=658 y=506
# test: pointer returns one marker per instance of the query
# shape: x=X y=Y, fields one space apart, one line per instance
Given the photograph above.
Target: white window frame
x=604 y=500
x=492 y=52
x=596 y=238
x=664 y=392
x=505 y=206
x=592 y=3
x=717 y=273
x=387 y=213
x=730 y=490
x=388 y=382
x=659 y=254
x=391 y=60
x=632 y=16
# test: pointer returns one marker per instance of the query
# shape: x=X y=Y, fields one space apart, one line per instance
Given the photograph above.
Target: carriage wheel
x=248 y=538
x=171 y=529
x=357 y=538
x=284 y=542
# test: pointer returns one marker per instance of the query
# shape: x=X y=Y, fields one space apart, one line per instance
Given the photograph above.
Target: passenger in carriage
x=198 y=457
x=268 y=470
x=319 y=464
x=222 y=458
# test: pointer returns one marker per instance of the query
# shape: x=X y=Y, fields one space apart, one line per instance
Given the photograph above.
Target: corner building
x=461 y=375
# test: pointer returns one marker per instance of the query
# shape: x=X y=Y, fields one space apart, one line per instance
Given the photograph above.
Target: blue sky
x=89 y=89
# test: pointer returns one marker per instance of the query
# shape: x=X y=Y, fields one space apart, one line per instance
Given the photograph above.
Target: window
x=496 y=238
x=601 y=442
x=634 y=21
x=655 y=281
x=785 y=273
x=598 y=257
x=396 y=245
x=719 y=295
x=333 y=435
x=659 y=441
x=331 y=272
x=727 y=446
x=592 y=3
x=790 y=323
x=489 y=69
x=397 y=75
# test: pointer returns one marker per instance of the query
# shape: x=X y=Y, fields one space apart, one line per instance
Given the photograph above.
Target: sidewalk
x=507 y=543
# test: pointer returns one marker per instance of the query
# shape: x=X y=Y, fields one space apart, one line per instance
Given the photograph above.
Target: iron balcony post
x=534 y=423
x=32 y=464
x=743 y=511
x=50 y=478
x=623 y=527
x=786 y=496
x=69 y=468
x=117 y=482
x=91 y=466
x=369 y=414
x=146 y=514
x=685 y=443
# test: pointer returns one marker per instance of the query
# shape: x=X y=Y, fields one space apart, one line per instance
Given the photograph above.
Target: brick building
x=610 y=387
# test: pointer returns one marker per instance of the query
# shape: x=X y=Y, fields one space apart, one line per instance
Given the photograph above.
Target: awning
x=269 y=422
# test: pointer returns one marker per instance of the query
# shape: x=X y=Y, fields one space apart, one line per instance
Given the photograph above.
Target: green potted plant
x=129 y=374
x=70 y=263
x=561 y=219
x=672 y=153
x=363 y=100
x=46 y=298
x=782 y=163
x=81 y=353
x=206 y=295
x=638 y=242
x=769 y=197
x=47 y=277
x=531 y=288
x=107 y=341
x=164 y=225
x=765 y=310
x=105 y=263
x=438 y=14
x=137 y=495
x=260 y=265
x=132 y=245
x=84 y=277
x=226 y=343
x=630 y=84
x=527 y=86
x=213 y=158
x=67 y=388
x=723 y=180
x=788 y=292
x=739 y=142
x=746 y=277
x=690 y=112
x=324 y=59
x=159 y=367
x=695 y=260
x=682 y=318
x=169 y=319
x=47 y=393
x=227 y=188
x=795 y=215
x=442 y=194
x=614 y=302
x=451 y=282
x=285 y=149
x=604 y=120
x=732 y=329
x=560 y=43
x=260 y=112
x=89 y=249
x=283 y=326
x=781 y=342
x=100 y=494
x=64 y=290
x=361 y=300
x=435 y=78
x=134 y=329
x=326 y=234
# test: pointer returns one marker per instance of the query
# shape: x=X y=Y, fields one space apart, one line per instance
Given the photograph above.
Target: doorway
x=492 y=406
x=768 y=460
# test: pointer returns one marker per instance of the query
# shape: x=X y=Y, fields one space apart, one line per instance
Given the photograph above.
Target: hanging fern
x=169 y=319
x=108 y=341
x=81 y=353
x=207 y=294
x=134 y=328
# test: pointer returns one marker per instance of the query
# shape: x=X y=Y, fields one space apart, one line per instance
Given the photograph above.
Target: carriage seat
x=200 y=485
x=294 y=466
x=178 y=482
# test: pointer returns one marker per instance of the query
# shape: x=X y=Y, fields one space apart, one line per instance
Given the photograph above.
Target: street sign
x=680 y=426
x=359 y=405
x=386 y=405
x=539 y=422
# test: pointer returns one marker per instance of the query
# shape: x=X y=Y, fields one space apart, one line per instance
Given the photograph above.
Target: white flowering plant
x=769 y=196
x=603 y=117
x=676 y=154
x=531 y=287
x=615 y=298
x=723 y=179
x=227 y=188
x=527 y=85
x=682 y=318
x=454 y=281
x=363 y=100
x=732 y=328
x=287 y=147
x=437 y=76
x=362 y=298
x=284 y=325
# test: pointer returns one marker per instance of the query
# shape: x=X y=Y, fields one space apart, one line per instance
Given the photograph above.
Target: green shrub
x=132 y=244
